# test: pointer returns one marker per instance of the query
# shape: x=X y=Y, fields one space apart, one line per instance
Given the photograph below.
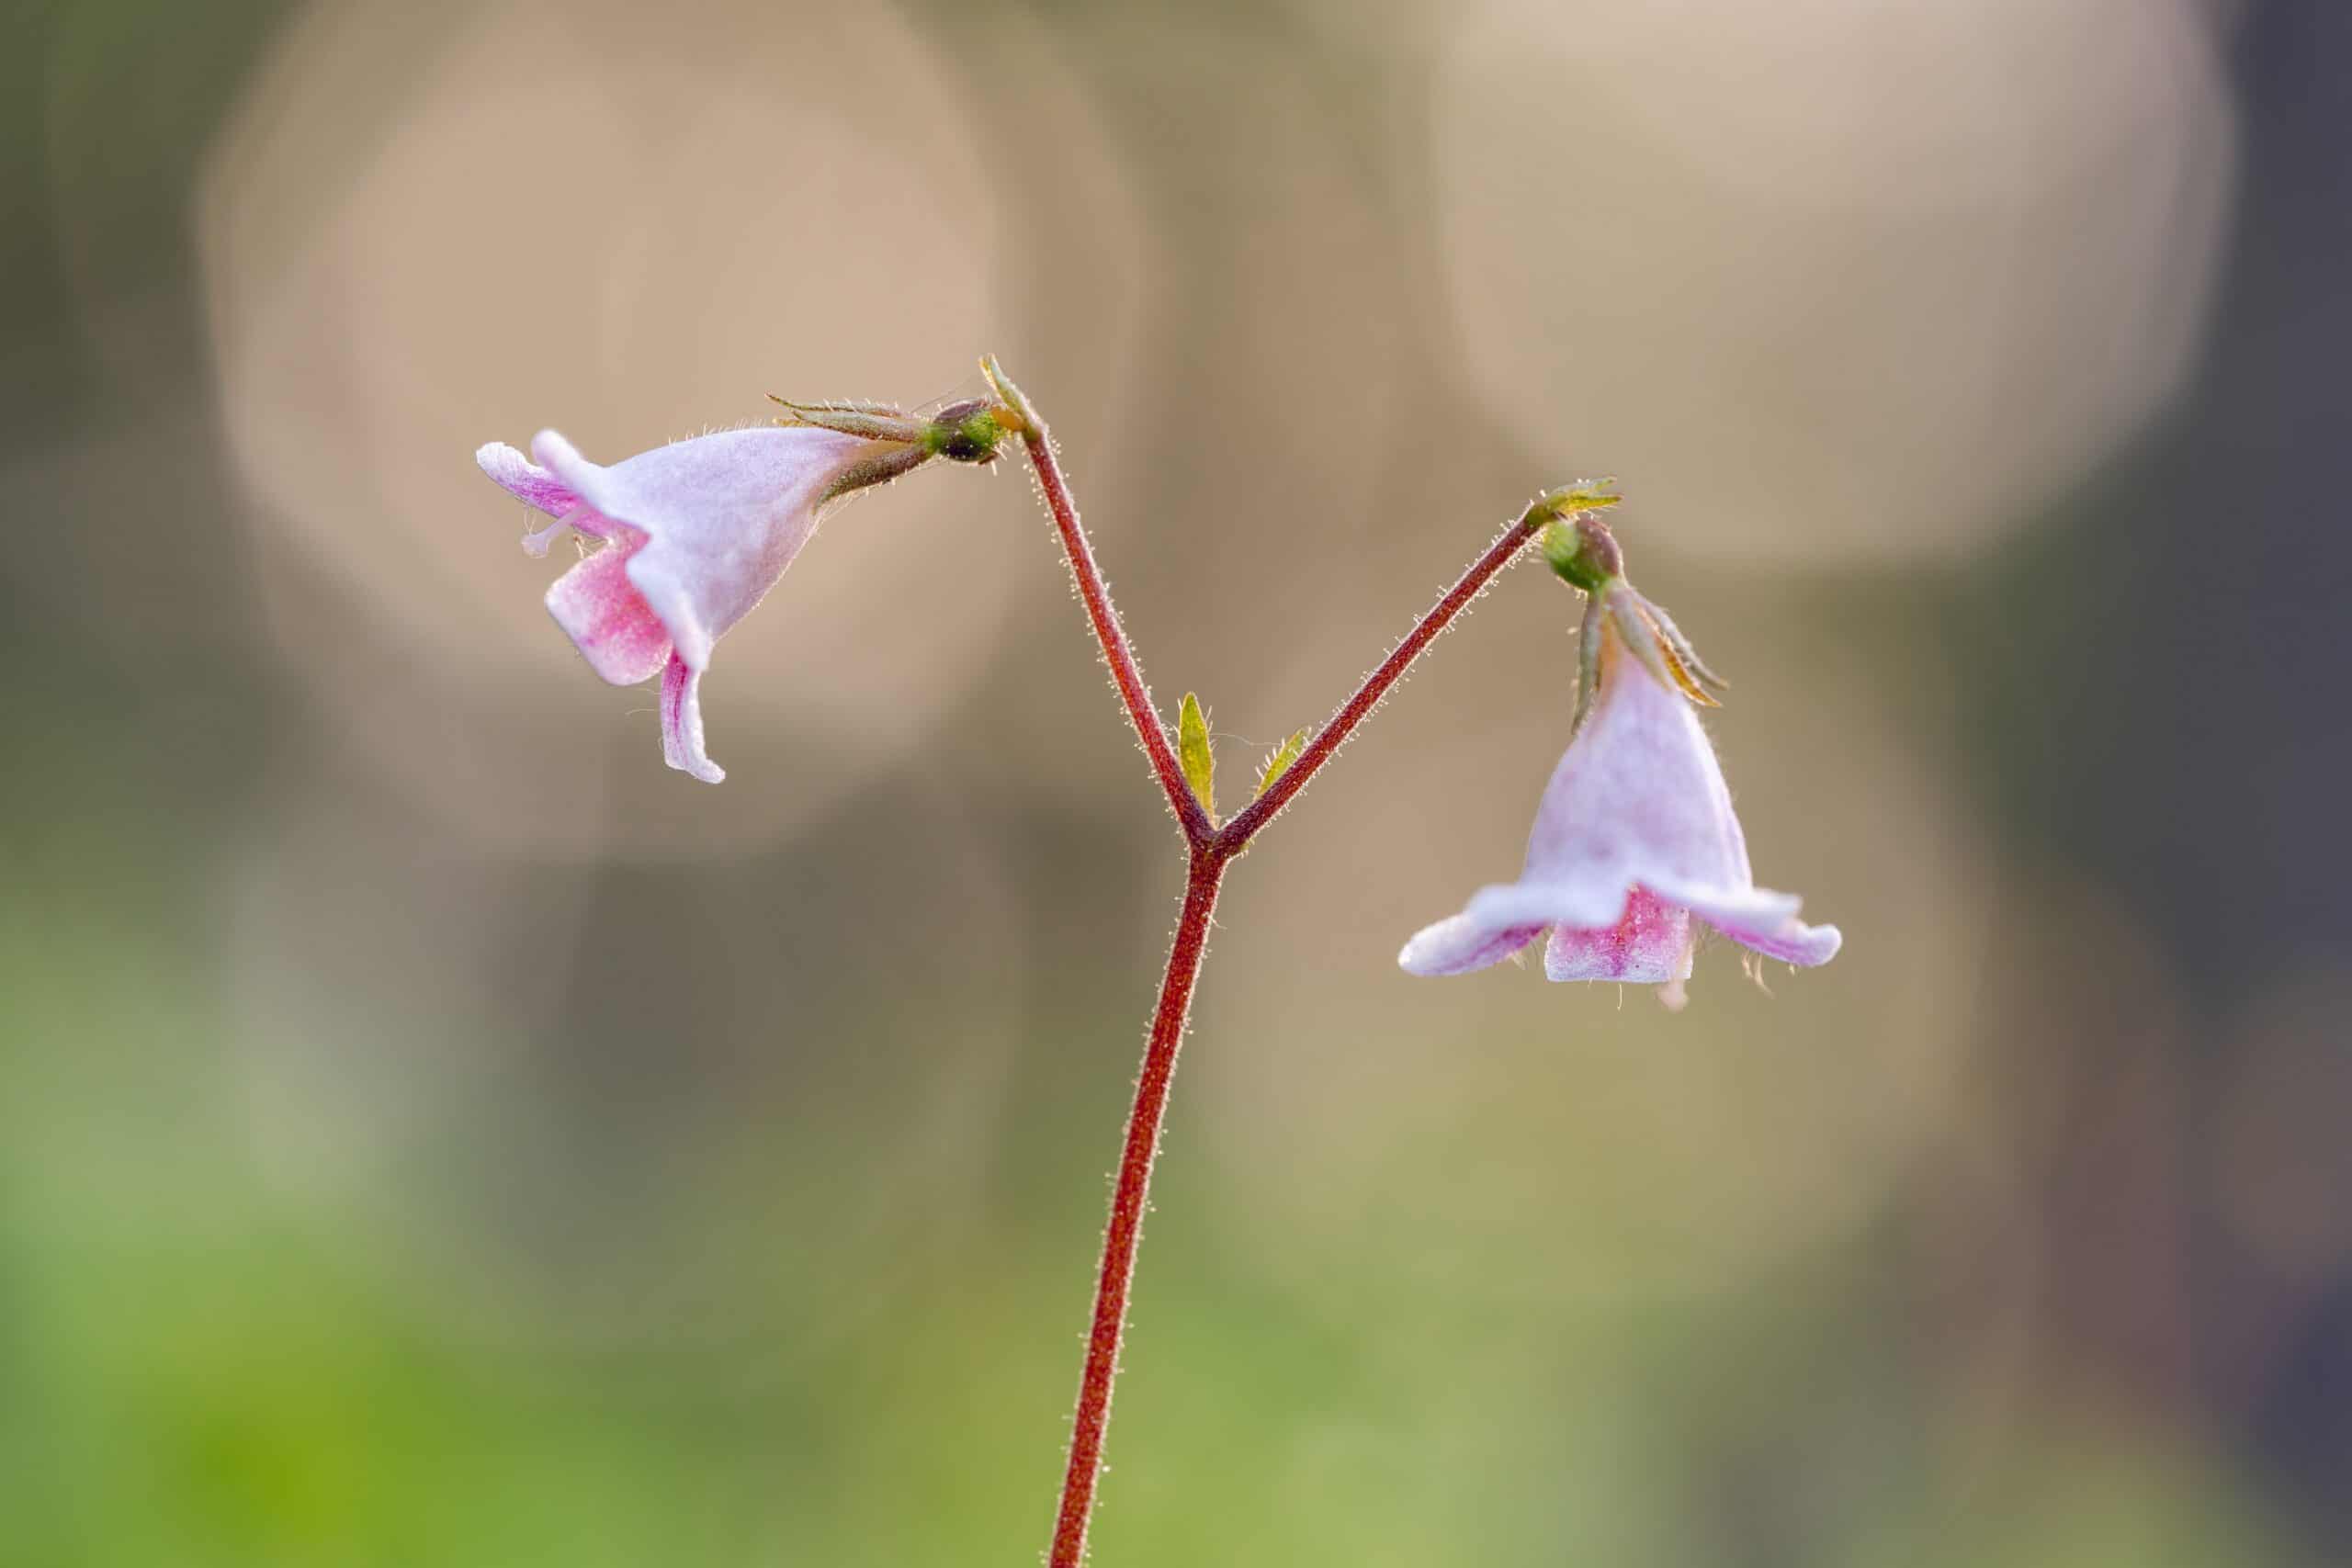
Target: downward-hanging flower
x=696 y=533
x=1635 y=845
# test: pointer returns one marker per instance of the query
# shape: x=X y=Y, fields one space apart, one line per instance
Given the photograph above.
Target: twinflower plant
x=1635 y=844
x=1635 y=850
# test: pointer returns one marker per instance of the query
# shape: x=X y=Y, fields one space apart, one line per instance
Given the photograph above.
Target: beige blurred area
x=443 y=1134
x=1852 y=282
x=588 y=218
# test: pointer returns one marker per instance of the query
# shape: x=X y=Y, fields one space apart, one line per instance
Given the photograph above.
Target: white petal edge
x=1459 y=944
x=1759 y=919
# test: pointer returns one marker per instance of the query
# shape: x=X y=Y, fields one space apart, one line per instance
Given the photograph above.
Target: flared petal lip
x=1458 y=944
x=1502 y=919
x=1756 y=918
x=1588 y=902
x=535 y=486
x=524 y=479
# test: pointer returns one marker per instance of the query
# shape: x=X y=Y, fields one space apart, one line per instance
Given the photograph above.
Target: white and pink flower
x=1636 y=847
x=694 y=535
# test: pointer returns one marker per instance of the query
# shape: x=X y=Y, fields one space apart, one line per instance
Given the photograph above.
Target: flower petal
x=524 y=479
x=607 y=619
x=723 y=514
x=1807 y=947
x=1650 y=945
x=1581 y=896
x=1638 y=795
x=682 y=745
x=1460 y=944
x=1762 y=919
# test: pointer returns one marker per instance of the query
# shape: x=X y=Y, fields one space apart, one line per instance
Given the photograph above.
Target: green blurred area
x=700 y=1186
x=202 y=1369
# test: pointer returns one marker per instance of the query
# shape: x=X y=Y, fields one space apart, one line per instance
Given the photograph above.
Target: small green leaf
x=1193 y=750
x=1279 y=760
x=1585 y=495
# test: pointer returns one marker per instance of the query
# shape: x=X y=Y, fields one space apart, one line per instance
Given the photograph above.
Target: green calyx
x=1575 y=540
x=1583 y=552
x=965 y=433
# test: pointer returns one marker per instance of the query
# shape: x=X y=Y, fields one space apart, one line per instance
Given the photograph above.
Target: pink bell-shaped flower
x=1635 y=845
x=696 y=533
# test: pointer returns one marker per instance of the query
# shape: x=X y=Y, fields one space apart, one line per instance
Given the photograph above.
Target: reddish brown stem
x=1211 y=850
x=1128 y=1199
x=1117 y=652
x=1366 y=698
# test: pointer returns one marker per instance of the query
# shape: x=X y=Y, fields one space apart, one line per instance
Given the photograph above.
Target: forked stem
x=1210 y=851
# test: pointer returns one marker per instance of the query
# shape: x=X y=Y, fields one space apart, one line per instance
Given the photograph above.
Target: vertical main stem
x=1128 y=1200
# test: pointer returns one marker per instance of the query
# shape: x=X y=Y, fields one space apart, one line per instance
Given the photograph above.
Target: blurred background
x=432 y=1132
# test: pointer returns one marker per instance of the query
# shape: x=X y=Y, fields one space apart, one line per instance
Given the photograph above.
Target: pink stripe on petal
x=607 y=619
x=682 y=743
x=526 y=481
x=1649 y=945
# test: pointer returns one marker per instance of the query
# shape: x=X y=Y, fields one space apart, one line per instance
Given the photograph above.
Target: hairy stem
x=1128 y=1199
x=1211 y=850
x=1366 y=696
x=1101 y=614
